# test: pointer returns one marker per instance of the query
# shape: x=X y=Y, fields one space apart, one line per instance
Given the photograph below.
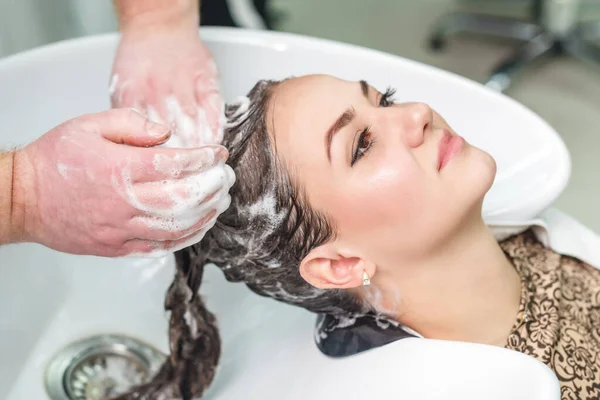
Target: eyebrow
x=343 y=120
x=365 y=88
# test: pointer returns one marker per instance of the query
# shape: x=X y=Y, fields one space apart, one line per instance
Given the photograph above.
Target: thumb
x=128 y=126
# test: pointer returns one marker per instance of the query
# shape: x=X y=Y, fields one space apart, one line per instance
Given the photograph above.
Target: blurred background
x=564 y=90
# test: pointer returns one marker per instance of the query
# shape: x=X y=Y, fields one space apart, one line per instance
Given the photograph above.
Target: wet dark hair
x=260 y=240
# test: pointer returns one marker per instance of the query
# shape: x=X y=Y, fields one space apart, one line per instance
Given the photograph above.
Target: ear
x=330 y=267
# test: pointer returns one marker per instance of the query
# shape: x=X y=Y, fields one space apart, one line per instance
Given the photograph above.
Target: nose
x=415 y=119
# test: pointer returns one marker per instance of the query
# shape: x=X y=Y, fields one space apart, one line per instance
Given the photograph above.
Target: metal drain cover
x=101 y=367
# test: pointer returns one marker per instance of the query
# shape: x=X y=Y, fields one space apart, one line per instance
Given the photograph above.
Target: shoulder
x=524 y=245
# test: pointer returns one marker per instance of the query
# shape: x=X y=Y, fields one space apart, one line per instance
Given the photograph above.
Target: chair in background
x=552 y=29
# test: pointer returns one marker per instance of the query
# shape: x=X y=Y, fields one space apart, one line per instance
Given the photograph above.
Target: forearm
x=155 y=14
x=6 y=188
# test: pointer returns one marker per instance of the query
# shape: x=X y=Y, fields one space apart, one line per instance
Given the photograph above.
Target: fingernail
x=157 y=130
x=222 y=153
x=136 y=110
x=218 y=152
x=192 y=111
x=206 y=218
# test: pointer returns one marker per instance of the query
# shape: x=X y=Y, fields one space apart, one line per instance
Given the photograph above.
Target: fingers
x=186 y=127
x=185 y=119
x=194 y=210
x=210 y=102
x=168 y=230
x=127 y=126
x=179 y=203
x=194 y=112
x=183 y=91
x=170 y=203
x=159 y=248
x=125 y=94
x=191 y=107
x=160 y=164
x=174 y=245
x=153 y=100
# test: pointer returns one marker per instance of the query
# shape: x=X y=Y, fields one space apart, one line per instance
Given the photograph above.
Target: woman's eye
x=384 y=102
x=364 y=144
x=387 y=99
x=364 y=141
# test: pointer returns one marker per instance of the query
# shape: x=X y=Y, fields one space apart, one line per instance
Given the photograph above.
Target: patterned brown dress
x=559 y=315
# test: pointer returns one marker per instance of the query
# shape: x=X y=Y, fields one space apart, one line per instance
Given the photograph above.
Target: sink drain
x=101 y=367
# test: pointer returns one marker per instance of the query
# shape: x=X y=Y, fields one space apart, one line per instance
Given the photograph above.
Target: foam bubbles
x=187 y=131
x=344 y=321
x=112 y=87
x=191 y=322
x=63 y=170
x=319 y=332
x=183 y=162
x=242 y=107
x=153 y=115
x=265 y=208
x=192 y=198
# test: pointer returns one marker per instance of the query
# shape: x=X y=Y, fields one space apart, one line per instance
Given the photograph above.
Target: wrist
x=6 y=178
x=21 y=198
x=147 y=16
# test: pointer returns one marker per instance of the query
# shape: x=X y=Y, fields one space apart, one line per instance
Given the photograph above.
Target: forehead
x=304 y=108
x=305 y=90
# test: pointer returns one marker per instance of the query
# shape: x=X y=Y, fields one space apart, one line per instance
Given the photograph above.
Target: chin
x=484 y=180
x=479 y=174
x=488 y=167
x=475 y=164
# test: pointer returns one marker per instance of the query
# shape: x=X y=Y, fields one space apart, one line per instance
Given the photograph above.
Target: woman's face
x=395 y=179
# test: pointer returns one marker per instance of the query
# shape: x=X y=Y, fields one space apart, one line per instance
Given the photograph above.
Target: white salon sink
x=48 y=300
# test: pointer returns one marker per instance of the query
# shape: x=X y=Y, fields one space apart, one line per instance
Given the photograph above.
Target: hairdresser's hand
x=93 y=186
x=170 y=75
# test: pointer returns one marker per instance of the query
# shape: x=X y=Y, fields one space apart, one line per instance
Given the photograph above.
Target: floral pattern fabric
x=558 y=321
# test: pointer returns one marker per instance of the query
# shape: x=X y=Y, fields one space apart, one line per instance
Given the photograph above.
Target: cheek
x=386 y=198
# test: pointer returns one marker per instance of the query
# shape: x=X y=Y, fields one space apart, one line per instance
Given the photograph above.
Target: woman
x=369 y=213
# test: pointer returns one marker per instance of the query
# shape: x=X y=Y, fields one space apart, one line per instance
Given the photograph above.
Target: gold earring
x=366 y=279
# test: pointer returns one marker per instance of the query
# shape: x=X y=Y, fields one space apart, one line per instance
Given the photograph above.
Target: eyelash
x=386 y=101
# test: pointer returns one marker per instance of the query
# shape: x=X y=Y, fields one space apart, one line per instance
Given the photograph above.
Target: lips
x=450 y=146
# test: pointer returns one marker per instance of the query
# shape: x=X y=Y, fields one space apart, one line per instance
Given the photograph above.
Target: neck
x=467 y=291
